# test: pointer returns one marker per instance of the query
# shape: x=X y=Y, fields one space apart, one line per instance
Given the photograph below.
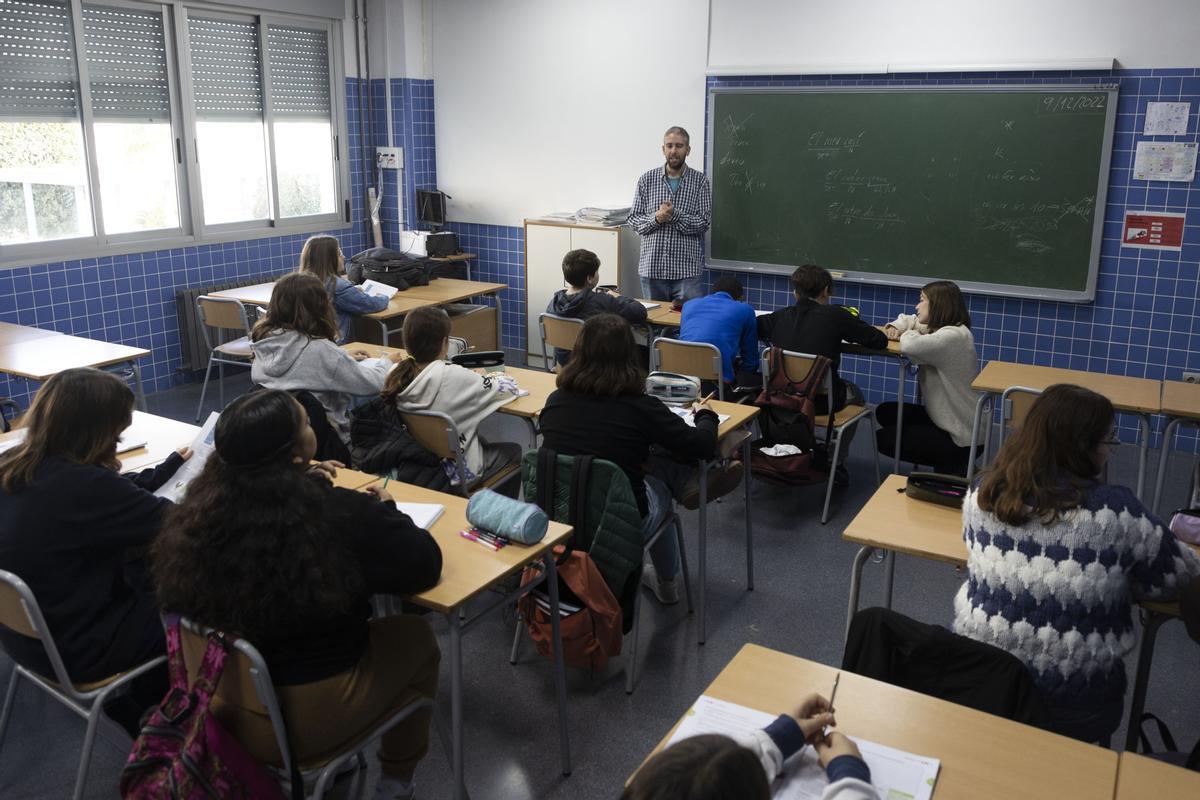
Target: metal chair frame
x=215 y=354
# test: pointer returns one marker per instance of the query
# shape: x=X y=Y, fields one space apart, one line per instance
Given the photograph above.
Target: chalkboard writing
x=999 y=189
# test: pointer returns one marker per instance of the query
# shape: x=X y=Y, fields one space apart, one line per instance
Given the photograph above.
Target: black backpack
x=390 y=267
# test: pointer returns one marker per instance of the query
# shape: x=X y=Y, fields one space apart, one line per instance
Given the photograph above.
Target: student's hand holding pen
x=703 y=404
x=813 y=715
x=834 y=745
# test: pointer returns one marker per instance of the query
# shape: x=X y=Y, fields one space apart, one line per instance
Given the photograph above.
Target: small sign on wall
x=1153 y=230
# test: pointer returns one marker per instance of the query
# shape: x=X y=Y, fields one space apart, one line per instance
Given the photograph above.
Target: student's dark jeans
x=922 y=442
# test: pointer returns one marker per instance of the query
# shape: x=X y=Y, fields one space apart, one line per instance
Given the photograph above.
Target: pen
x=488 y=536
x=836 y=679
x=474 y=538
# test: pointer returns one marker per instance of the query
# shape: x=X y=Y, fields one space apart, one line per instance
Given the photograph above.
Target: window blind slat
x=37 y=63
x=226 y=79
x=127 y=63
x=299 y=59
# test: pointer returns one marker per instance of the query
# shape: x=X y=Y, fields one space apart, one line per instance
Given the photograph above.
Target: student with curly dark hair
x=264 y=547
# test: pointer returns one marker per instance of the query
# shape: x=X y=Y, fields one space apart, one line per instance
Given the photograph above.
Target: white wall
x=800 y=33
x=547 y=105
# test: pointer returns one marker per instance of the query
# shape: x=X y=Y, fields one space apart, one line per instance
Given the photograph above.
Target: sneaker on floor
x=390 y=788
x=667 y=591
x=721 y=481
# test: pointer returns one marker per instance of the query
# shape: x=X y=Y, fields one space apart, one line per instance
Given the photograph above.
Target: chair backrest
x=224 y=314
x=698 y=359
x=438 y=434
x=560 y=332
x=1015 y=403
x=20 y=612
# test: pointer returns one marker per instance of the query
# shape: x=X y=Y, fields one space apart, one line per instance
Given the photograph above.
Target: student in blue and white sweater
x=1057 y=558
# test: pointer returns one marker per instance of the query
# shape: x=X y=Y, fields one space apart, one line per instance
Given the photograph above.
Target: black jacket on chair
x=931 y=660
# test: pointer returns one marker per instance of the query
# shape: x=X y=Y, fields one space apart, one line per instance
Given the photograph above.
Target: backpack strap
x=580 y=471
x=1164 y=734
x=547 y=476
x=175 y=666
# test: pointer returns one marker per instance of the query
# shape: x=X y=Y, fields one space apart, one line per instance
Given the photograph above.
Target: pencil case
x=934 y=487
x=523 y=523
x=1185 y=524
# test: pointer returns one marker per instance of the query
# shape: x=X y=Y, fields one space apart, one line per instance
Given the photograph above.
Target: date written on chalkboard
x=1067 y=103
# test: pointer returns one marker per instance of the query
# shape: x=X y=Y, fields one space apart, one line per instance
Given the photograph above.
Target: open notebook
x=422 y=514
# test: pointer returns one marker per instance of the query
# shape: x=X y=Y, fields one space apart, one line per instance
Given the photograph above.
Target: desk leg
x=1143 y=452
x=383 y=332
x=889 y=577
x=1151 y=622
x=499 y=323
x=137 y=382
x=1159 y=479
x=860 y=558
x=749 y=527
x=900 y=381
x=983 y=397
x=560 y=670
x=456 y=705
x=703 y=514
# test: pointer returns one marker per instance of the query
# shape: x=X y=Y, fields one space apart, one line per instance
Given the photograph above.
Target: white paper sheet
x=685 y=414
x=1166 y=119
x=377 y=289
x=1165 y=161
x=894 y=773
x=202 y=447
x=17 y=437
x=648 y=305
x=423 y=514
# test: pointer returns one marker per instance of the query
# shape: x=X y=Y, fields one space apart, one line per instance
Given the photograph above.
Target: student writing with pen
x=715 y=767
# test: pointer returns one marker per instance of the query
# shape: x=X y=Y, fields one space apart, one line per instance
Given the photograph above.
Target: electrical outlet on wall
x=1191 y=377
x=389 y=157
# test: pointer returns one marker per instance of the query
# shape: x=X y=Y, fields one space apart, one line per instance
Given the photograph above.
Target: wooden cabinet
x=545 y=245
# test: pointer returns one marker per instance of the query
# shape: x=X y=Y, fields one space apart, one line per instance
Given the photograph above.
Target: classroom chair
x=246 y=682
x=438 y=434
x=796 y=366
x=11 y=405
x=697 y=359
x=223 y=314
x=20 y=612
x=1015 y=402
x=613 y=476
x=560 y=332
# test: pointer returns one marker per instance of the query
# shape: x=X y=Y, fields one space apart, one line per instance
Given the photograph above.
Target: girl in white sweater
x=424 y=381
x=938 y=339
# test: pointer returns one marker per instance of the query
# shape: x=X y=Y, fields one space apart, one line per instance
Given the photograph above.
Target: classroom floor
x=798 y=606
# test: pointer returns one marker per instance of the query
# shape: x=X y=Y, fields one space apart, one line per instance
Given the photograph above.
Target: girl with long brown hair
x=295 y=349
x=938 y=339
x=322 y=258
x=1056 y=558
x=72 y=527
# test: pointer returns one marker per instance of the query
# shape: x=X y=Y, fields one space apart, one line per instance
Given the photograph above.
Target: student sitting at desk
x=938 y=339
x=425 y=381
x=322 y=257
x=72 y=527
x=716 y=767
x=581 y=271
x=295 y=349
x=1055 y=560
x=263 y=546
x=722 y=319
x=601 y=408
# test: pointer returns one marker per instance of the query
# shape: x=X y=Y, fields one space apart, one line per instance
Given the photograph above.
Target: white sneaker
x=390 y=788
x=667 y=591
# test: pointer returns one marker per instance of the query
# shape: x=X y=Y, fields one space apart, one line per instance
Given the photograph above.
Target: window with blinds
x=96 y=147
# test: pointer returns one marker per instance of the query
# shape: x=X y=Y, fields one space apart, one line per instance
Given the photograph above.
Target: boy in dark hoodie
x=581 y=270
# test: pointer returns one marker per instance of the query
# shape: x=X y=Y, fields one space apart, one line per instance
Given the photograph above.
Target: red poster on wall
x=1153 y=230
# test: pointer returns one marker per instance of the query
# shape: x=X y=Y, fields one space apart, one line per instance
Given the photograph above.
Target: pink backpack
x=183 y=753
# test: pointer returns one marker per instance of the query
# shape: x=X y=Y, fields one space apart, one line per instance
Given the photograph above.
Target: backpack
x=787 y=418
x=183 y=753
x=391 y=267
x=589 y=614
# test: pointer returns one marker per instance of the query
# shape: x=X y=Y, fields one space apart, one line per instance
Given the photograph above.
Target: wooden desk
x=13 y=334
x=40 y=357
x=352 y=479
x=258 y=294
x=982 y=756
x=468 y=570
x=1139 y=396
x=1181 y=404
x=663 y=315
x=163 y=436
x=1139 y=777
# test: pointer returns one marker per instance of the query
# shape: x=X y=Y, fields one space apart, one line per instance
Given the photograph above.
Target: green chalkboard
x=1000 y=189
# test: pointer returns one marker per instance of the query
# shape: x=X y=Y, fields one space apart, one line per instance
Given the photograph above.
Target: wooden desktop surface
x=1126 y=394
x=1139 y=777
x=258 y=294
x=893 y=521
x=1181 y=399
x=663 y=315
x=347 y=478
x=438 y=292
x=14 y=334
x=468 y=568
x=39 y=358
x=982 y=756
x=162 y=435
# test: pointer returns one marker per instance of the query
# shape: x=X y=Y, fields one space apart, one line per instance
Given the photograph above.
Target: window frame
x=192 y=231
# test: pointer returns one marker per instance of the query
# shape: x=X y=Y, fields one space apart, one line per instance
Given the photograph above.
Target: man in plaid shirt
x=671 y=209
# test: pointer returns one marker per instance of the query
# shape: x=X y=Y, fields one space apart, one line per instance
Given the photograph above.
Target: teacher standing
x=672 y=208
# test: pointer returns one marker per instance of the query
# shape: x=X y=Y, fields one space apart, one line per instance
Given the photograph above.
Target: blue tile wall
x=130 y=299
